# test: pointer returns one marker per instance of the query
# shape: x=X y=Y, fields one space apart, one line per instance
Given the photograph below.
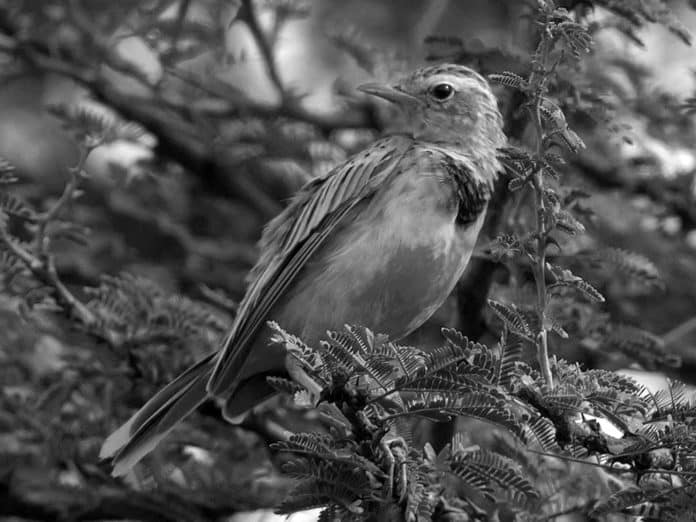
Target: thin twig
x=65 y=297
x=248 y=14
x=41 y=262
x=103 y=45
x=45 y=271
x=32 y=262
x=680 y=331
x=612 y=469
x=76 y=173
x=240 y=104
x=181 y=13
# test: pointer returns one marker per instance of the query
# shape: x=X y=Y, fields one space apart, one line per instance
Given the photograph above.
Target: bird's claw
x=395 y=451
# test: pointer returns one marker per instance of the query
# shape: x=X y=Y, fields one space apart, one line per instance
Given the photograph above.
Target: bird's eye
x=442 y=91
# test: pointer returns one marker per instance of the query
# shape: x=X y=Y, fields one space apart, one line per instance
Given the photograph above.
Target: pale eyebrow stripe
x=457 y=71
x=454 y=69
x=479 y=83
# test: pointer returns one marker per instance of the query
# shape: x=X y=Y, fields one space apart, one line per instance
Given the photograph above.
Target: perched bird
x=379 y=241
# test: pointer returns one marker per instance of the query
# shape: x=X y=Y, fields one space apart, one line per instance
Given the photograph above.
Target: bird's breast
x=389 y=267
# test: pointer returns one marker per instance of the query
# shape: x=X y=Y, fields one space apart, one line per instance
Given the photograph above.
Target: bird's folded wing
x=291 y=239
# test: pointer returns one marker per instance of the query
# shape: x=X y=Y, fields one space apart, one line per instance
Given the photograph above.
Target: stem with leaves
x=537 y=84
x=549 y=126
x=38 y=258
x=43 y=240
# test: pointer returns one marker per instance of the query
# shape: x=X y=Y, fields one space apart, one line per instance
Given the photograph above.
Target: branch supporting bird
x=379 y=241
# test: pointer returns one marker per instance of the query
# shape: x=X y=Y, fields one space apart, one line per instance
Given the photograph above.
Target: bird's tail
x=149 y=425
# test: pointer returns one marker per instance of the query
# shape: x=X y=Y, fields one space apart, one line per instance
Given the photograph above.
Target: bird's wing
x=291 y=239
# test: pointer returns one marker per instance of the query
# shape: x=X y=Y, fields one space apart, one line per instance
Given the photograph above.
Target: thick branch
x=180 y=141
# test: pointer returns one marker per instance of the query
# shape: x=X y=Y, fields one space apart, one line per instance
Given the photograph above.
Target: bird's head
x=448 y=104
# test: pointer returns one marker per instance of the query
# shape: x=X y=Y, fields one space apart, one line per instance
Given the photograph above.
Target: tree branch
x=247 y=13
x=41 y=262
x=170 y=121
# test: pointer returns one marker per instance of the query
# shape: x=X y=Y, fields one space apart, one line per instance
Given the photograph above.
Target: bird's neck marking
x=473 y=192
x=478 y=164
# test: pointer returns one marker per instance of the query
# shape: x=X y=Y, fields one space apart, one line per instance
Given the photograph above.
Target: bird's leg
x=399 y=450
x=395 y=450
x=391 y=462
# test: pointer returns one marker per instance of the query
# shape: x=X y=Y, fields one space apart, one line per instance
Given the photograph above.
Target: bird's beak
x=388 y=93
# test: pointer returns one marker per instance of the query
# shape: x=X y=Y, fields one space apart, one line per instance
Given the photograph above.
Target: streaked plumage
x=379 y=241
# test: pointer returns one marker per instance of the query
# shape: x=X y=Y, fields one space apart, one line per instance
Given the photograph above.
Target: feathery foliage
x=532 y=440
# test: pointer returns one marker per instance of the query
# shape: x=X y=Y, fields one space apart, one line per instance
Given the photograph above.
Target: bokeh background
x=236 y=107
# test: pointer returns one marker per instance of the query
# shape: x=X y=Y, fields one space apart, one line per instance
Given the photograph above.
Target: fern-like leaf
x=632 y=264
x=510 y=354
x=15 y=207
x=509 y=79
x=284 y=385
x=480 y=468
x=555 y=119
x=332 y=488
x=309 y=358
x=7 y=172
x=512 y=318
x=542 y=432
x=517 y=162
x=354 y=348
x=566 y=279
x=479 y=405
x=646 y=348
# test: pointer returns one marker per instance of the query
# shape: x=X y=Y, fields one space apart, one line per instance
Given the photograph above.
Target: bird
x=379 y=241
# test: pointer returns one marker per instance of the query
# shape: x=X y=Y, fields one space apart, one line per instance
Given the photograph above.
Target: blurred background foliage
x=209 y=114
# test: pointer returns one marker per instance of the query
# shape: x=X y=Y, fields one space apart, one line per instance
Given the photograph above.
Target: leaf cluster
x=365 y=464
